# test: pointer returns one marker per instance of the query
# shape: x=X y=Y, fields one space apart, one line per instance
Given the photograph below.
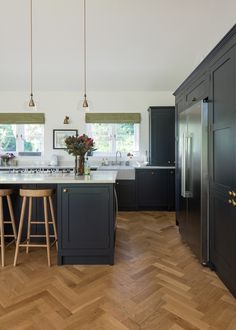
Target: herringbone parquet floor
x=156 y=283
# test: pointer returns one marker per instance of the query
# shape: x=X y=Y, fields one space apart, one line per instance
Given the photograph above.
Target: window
x=22 y=138
x=109 y=138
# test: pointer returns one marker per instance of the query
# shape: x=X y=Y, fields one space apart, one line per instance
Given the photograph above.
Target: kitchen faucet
x=118 y=152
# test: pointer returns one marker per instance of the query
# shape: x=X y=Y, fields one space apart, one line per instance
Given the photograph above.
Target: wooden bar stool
x=6 y=193
x=46 y=194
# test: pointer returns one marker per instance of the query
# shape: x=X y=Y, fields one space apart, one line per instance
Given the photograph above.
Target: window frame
x=137 y=128
x=19 y=136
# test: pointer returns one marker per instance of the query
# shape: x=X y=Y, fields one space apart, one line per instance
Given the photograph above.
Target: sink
x=124 y=172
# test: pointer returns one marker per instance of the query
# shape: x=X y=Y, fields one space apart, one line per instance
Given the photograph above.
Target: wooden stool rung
x=40 y=223
x=32 y=245
x=9 y=235
x=41 y=236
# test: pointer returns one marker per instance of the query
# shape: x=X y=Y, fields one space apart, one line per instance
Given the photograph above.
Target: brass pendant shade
x=85 y=103
x=31 y=102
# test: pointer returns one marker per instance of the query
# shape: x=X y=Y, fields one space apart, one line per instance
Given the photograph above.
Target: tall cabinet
x=162 y=136
x=215 y=79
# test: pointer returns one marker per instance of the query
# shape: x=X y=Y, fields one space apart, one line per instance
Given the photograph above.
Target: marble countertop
x=37 y=178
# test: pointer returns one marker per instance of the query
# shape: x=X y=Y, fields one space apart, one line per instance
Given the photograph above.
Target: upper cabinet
x=162 y=136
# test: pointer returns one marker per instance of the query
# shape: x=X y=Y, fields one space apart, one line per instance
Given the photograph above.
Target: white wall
x=56 y=105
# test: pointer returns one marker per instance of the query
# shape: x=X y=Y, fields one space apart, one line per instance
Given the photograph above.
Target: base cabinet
x=86 y=224
x=155 y=189
x=126 y=194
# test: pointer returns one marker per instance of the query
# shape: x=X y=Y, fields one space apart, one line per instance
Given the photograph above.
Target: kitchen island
x=86 y=211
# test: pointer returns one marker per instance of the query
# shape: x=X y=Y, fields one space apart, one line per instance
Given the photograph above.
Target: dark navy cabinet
x=126 y=194
x=215 y=79
x=162 y=136
x=86 y=223
x=155 y=189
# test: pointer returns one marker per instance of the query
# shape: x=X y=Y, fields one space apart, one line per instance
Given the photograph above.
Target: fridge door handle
x=183 y=166
x=188 y=175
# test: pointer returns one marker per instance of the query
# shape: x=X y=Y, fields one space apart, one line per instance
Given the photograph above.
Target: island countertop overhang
x=59 y=178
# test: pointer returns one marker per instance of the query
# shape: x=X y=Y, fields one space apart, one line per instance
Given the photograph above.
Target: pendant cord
x=31 y=49
x=85 y=51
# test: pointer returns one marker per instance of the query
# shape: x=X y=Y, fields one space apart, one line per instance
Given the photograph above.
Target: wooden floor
x=156 y=283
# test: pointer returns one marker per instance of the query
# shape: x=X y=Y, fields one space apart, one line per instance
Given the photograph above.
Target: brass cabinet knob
x=230 y=201
x=65 y=190
x=233 y=202
x=230 y=193
x=233 y=193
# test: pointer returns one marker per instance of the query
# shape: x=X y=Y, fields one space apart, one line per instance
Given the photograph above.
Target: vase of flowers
x=78 y=146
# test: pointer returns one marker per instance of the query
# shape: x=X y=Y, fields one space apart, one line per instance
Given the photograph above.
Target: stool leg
x=29 y=224
x=13 y=223
x=20 y=229
x=47 y=229
x=53 y=221
x=2 y=233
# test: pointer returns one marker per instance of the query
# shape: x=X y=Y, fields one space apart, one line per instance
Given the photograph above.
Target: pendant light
x=31 y=102
x=85 y=101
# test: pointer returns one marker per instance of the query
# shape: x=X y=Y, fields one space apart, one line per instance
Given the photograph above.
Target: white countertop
x=37 y=178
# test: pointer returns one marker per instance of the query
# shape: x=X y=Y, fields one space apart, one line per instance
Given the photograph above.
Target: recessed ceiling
x=132 y=45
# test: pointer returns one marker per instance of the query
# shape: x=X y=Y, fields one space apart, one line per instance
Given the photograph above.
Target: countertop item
x=94 y=177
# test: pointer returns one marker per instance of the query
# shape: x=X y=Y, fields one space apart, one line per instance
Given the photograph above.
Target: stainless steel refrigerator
x=192 y=209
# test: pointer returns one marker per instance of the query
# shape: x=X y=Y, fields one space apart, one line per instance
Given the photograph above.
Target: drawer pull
x=65 y=190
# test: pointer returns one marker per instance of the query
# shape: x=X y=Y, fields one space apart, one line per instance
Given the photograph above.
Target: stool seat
x=36 y=192
x=46 y=195
x=6 y=193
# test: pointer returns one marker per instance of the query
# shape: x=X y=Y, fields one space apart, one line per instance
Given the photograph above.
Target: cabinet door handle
x=65 y=190
x=193 y=99
x=117 y=182
x=168 y=161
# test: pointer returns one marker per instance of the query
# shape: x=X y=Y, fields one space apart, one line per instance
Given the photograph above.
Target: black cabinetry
x=223 y=167
x=161 y=136
x=215 y=78
x=86 y=224
x=126 y=194
x=155 y=189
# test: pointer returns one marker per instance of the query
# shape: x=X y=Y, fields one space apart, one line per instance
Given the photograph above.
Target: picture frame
x=59 y=136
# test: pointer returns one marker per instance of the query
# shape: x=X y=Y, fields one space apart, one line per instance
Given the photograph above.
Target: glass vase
x=81 y=165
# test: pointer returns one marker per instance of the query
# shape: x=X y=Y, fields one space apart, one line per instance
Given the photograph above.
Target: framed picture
x=59 y=136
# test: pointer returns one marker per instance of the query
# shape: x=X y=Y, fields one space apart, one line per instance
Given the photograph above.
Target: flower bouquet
x=78 y=146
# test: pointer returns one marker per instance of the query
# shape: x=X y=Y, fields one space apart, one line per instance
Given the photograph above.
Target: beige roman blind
x=112 y=118
x=22 y=118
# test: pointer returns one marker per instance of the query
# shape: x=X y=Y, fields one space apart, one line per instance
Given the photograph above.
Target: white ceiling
x=132 y=45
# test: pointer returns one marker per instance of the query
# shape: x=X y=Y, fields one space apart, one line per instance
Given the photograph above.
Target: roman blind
x=22 y=118
x=112 y=118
